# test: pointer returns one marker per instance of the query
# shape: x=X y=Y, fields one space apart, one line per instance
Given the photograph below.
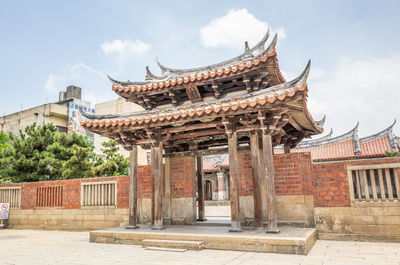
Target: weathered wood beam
x=269 y=172
x=133 y=163
x=295 y=124
x=234 y=182
x=216 y=88
x=190 y=127
x=200 y=188
x=257 y=174
x=156 y=172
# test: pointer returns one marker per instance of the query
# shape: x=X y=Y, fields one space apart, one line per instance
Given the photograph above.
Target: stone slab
x=290 y=240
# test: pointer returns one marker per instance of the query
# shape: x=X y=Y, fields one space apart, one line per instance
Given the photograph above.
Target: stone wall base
x=365 y=223
x=65 y=219
x=183 y=210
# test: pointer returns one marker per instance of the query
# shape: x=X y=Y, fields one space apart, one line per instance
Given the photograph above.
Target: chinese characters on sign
x=74 y=118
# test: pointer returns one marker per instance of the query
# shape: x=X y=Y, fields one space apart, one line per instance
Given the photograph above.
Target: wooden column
x=234 y=181
x=133 y=188
x=156 y=173
x=200 y=189
x=257 y=173
x=269 y=182
x=286 y=148
x=167 y=200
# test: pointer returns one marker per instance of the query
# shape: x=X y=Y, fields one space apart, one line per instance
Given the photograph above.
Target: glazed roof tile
x=262 y=97
x=172 y=77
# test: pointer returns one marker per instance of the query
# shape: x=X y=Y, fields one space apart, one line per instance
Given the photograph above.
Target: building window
x=374 y=183
x=49 y=196
x=99 y=193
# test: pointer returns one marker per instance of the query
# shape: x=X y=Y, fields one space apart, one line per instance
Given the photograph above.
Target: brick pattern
x=293 y=174
x=71 y=192
x=330 y=181
x=245 y=173
x=144 y=182
x=183 y=182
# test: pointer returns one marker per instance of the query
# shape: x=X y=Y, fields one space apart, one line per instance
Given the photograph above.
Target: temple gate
x=242 y=103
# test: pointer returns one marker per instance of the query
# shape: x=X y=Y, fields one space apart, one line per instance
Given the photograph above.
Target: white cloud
x=364 y=89
x=95 y=86
x=54 y=83
x=126 y=46
x=234 y=28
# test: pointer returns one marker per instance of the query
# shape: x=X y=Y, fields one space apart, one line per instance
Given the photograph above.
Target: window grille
x=49 y=196
x=374 y=183
x=99 y=193
x=11 y=195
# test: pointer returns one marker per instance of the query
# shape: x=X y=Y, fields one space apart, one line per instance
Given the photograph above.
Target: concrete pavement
x=59 y=247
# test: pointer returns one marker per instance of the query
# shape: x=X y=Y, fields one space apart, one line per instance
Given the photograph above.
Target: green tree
x=43 y=153
x=3 y=146
x=114 y=164
x=3 y=141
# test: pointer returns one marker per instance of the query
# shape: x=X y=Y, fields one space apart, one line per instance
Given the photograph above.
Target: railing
x=49 y=196
x=11 y=195
x=99 y=193
x=374 y=183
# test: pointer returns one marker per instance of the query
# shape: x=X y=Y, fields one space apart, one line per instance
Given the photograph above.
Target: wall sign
x=4 y=209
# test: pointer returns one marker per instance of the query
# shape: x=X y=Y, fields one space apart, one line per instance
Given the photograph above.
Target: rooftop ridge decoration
x=263 y=96
x=181 y=77
x=386 y=132
x=327 y=139
x=252 y=53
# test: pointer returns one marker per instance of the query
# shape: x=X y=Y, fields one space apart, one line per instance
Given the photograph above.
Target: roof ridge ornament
x=315 y=142
x=256 y=51
x=322 y=121
x=247 y=52
x=386 y=132
x=150 y=76
x=272 y=45
x=128 y=83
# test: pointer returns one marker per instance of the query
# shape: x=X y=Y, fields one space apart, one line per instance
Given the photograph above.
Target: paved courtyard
x=57 y=247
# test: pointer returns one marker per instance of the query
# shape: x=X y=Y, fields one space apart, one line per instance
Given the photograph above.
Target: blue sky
x=354 y=47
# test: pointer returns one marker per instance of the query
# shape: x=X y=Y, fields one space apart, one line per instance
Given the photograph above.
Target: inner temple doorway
x=216 y=186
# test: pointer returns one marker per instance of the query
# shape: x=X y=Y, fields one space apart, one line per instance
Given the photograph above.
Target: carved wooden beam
x=216 y=88
x=247 y=82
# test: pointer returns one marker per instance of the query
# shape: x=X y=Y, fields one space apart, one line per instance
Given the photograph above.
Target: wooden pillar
x=200 y=189
x=167 y=200
x=133 y=188
x=286 y=148
x=156 y=172
x=234 y=181
x=269 y=182
x=257 y=173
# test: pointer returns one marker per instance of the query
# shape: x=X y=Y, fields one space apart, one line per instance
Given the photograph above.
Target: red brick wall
x=144 y=182
x=71 y=191
x=330 y=181
x=183 y=182
x=292 y=174
x=245 y=173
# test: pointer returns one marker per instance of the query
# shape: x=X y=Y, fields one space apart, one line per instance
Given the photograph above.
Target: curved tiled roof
x=172 y=77
x=349 y=145
x=229 y=104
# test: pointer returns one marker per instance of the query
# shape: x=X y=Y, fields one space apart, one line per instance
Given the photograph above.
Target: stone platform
x=290 y=240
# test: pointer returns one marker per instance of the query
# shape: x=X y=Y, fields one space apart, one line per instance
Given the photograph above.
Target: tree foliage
x=43 y=153
x=392 y=154
x=3 y=141
x=115 y=164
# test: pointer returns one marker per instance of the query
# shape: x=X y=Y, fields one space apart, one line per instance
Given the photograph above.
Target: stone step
x=164 y=243
x=166 y=249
